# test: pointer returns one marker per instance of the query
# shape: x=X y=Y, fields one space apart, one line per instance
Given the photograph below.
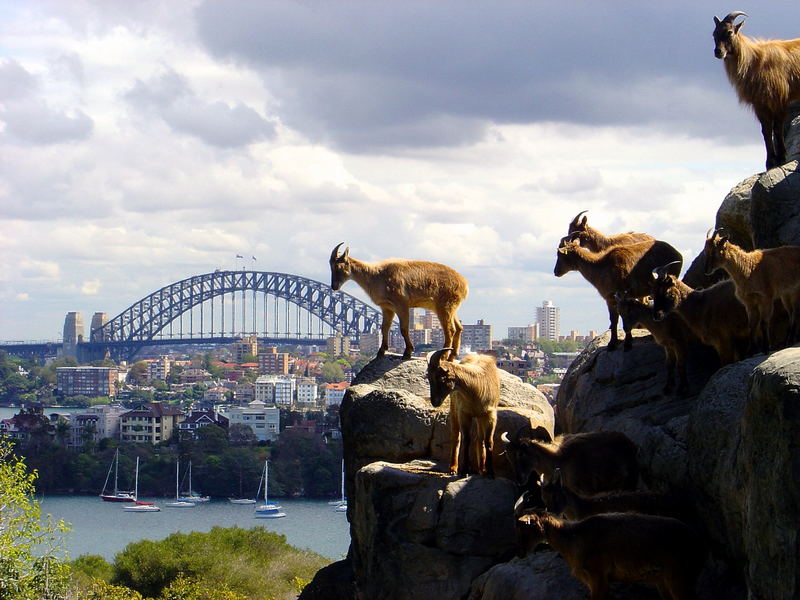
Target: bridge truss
x=195 y=310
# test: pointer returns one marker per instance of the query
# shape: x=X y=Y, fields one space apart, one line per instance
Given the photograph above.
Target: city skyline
x=145 y=143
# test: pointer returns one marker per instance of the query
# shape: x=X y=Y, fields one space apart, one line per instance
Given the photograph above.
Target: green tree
x=332 y=372
x=137 y=374
x=31 y=556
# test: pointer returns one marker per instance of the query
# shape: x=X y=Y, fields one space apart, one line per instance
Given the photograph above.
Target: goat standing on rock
x=617 y=269
x=765 y=75
x=398 y=285
x=592 y=462
x=626 y=547
x=474 y=389
x=760 y=277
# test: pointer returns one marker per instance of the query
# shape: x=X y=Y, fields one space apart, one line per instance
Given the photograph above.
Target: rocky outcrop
x=417 y=532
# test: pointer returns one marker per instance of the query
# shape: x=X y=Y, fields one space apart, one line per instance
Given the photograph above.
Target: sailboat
x=139 y=506
x=191 y=495
x=178 y=502
x=268 y=510
x=118 y=495
x=239 y=499
x=341 y=505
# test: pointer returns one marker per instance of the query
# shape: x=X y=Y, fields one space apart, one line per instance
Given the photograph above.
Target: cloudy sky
x=145 y=142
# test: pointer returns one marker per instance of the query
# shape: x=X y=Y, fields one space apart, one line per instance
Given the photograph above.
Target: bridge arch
x=150 y=317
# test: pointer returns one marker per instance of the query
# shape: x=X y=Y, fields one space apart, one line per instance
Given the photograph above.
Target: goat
x=765 y=75
x=398 y=285
x=670 y=333
x=474 y=389
x=625 y=547
x=760 y=277
x=592 y=239
x=559 y=499
x=616 y=269
x=599 y=461
x=713 y=314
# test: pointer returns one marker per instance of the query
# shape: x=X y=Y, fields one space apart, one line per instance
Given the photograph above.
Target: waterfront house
x=187 y=429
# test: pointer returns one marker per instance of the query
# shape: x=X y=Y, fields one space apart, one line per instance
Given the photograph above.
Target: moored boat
x=118 y=495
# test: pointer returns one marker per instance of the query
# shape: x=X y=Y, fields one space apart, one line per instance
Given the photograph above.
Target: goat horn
x=504 y=437
x=733 y=15
x=661 y=272
x=335 y=253
x=436 y=357
x=578 y=216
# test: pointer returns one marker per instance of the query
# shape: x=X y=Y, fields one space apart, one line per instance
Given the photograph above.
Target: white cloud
x=135 y=154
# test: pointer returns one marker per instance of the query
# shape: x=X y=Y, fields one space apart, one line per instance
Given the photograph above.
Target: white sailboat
x=191 y=495
x=118 y=495
x=178 y=502
x=341 y=505
x=268 y=510
x=139 y=506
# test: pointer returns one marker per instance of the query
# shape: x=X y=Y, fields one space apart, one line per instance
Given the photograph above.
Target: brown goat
x=671 y=333
x=559 y=499
x=617 y=269
x=760 y=277
x=474 y=389
x=713 y=314
x=765 y=75
x=398 y=285
x=594 y=462
x=626 y=547
x=592 y=239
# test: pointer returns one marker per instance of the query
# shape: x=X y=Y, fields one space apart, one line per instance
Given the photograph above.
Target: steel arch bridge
x=158 y=318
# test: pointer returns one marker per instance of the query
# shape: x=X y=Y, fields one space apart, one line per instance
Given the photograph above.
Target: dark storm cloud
x=169 y=96
x=436 y=73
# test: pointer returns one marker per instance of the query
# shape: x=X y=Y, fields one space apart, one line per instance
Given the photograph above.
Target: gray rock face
x=774 y=212
x=387 y=415
x=417 y=532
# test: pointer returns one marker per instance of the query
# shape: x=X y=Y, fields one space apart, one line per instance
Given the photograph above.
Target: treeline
x=301 y=464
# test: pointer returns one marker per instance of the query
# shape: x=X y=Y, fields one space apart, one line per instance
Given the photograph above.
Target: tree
x=31 y=555
x=332 y=372
x=241 y=435
x=137 y=374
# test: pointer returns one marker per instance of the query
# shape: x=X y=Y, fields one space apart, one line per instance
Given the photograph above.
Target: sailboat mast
x=177 y=481
x=266 y=480
x=116 y=470
x=136 y=481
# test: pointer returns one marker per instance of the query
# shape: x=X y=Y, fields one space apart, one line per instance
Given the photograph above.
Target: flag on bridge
x=239 y=256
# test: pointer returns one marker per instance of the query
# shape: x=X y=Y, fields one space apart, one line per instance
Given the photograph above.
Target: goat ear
x=717 y=21
x=346 y=253
x=737 y=27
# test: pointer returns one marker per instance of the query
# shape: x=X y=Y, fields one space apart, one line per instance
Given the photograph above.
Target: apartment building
x=264 y=421
x=334 y=393
x=152 y=423
x=478 y=337
x=307 y=392
x=272 y=362
x=87 y=381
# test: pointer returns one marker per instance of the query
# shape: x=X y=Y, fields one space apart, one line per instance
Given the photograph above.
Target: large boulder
x=417 y=532
x=732 y=449
x=386 y=415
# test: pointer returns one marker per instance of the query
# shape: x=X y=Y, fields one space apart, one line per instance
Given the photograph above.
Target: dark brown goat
x=559 y=499
x=671 y=333
x=714 y=314
x=626 y=547
x=593 y=462
x=765 y=75
x=616 y=269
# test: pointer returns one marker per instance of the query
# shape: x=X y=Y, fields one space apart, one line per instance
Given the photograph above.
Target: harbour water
x=104 y=528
